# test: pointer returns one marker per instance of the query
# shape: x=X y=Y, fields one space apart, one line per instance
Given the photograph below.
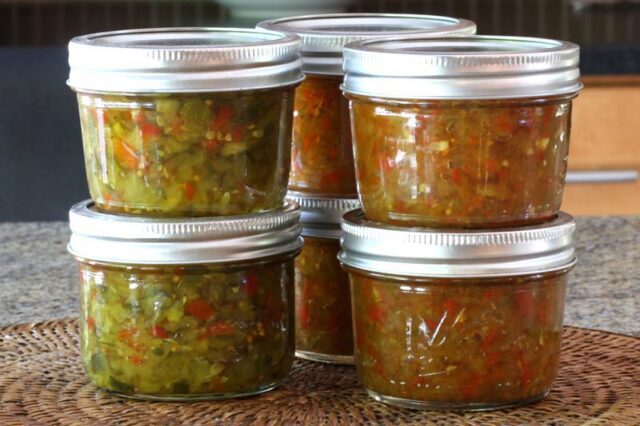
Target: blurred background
x=41 y=163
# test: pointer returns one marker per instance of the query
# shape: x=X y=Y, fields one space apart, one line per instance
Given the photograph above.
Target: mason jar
x=322 y=156
x=457 y=319
x=182 y=122
x=323 y=299
x=182 y=309
x=467 y=132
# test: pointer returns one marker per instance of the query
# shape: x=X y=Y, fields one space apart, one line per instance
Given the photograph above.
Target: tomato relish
x=468 y=132
x=321 y=154
x=475 y=164
x=457 y=319
x=323 y=297
x=322 y=159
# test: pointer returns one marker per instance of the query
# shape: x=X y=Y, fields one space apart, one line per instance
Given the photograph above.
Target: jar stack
x=427 y=170
x=322 y=177
x=186 y=250
x=459 y=258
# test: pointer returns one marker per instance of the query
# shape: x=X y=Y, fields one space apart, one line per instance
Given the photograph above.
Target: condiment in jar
x=457 y=319
x=322 y=156
x=175 y=309
x=186 y=122
x=469 y=132
x=323 y=301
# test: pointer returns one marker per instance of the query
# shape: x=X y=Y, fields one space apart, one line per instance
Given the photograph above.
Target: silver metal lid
x=419 y=252
x=134 y=240
x=176 y=60
x=321 y=216
x=324 y=36
x=475 y=67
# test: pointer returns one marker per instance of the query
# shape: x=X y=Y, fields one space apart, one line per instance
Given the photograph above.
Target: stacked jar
x=459 y=258
x=186 y=250
x=322 y=171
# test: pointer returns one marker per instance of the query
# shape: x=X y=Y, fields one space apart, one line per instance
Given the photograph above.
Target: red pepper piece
x=238 y=133
x=492 y=165
x=471 y=388
x=125 y=334
x=331 y=178
x=526 y=373
x=211 y=144
x=251 y=284
x=399 y=206
x=136 y=359
x=490 y=339
x=189 y=190
x=91 y=324
x=158 y=331
x=199 y=308
x=456 y=176
x=491 y=294
x=308 y=141
x=176 y=127
x=303 y=316
x=492 y=358
x=149 y=131
x=450 y=307
x=218 y=329
x=222 y=117
x=376 y=314
x=125 y=155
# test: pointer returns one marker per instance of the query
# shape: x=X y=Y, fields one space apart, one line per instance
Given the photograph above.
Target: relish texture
x=473 y=164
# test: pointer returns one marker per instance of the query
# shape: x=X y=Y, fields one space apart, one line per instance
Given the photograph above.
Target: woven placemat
x=42 y=382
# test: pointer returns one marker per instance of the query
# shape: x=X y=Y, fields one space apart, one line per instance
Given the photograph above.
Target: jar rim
x=184 y=60
x=325 y=35
x=471 y=67
x=321 y=215
x=125 y=239
x=457 y=253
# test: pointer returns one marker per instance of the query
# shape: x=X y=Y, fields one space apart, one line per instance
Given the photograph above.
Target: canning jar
x=184 y=122
x=322 y=156
x=458 y=319
x=177 y=309
x=323 y=300
x=467 y=132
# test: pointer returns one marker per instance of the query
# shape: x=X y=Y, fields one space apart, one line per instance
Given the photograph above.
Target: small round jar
x=186 y=309
x=185 y=122
x=323 y=300
x=467 y=132
x=322 y=156
x=457 y=320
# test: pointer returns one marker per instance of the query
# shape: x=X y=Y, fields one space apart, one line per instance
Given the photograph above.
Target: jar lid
x=177 y=60
x=324 y=36
x=136 y=240
x=457 y=253
x=474 y=67
x=321 y=216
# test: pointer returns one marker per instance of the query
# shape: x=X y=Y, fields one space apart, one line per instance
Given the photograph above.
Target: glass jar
x=457 y=320
x=186 y=122
x=323 y=299
x=468 y=132
x=322 y=156
x=186 y=309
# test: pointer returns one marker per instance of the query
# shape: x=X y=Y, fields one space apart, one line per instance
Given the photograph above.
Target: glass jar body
x=458 y=344
x=187 y=332
x=323 y=303
x=321 y=154
x=185 y=155
x=466 y=163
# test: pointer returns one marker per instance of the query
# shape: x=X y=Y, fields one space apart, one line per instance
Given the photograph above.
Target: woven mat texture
x=42 y=383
